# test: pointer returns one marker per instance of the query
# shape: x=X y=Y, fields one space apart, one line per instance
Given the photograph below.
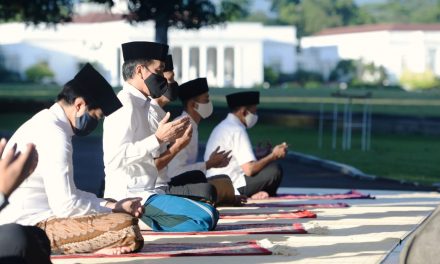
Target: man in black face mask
x=49 y=199
x=130 y=145
x=198 y=188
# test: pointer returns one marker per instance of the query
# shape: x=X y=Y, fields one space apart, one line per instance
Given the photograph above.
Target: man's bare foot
x=260 y=195
x=113 y=251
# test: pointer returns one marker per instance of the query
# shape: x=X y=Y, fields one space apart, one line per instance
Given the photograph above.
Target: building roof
x=97 y=18
x=379 y=27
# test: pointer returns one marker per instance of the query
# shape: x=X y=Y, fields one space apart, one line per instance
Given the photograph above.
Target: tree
x=404 y=11
x=35 y=12
x=187 y=14
x=183 y=14
x=311 y=16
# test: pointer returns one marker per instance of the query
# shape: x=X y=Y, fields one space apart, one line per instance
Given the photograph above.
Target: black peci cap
x=243 y=99
x=144 y=50
x=193 y=88
x=168 y=63
x=95 y=87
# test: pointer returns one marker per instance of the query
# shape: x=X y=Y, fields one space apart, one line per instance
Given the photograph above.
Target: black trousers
x=192 y=184
x=23 y=245
x=268 y=180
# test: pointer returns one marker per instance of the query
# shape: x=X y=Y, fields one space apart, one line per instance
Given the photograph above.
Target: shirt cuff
x=150 y=144
x=203 y=167
x=104 y=209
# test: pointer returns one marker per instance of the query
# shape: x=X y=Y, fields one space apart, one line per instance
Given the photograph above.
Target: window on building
x=229 y=67
x=403 y=65
x=430 y=59
x=211 y=65
x=177 y=62
x=194 y=60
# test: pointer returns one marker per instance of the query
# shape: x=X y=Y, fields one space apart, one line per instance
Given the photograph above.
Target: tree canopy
x=404 y=11
x=311 y=16
x=35 y=12
x=184 y=14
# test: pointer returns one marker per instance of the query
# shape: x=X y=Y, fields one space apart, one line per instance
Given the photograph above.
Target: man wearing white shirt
x=199 y=189
x=29 y=244
x=130 y=146
x=184 y=168
x=253 y=178
x=74 y=221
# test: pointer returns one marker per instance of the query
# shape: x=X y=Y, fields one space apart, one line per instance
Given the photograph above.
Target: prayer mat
x=324 y=205
x=353 y=194
x=240 y=229
x=246 y=248
x=279 y=215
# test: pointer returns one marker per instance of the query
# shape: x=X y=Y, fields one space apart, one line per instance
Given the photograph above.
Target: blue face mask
x=84 y=124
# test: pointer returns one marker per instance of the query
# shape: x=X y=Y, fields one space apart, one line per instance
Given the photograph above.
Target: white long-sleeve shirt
x=155 y=115
x=129 y=146
x=186 y=159
x=231 y=134
x=50 y=190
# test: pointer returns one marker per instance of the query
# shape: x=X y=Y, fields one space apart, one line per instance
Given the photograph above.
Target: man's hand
x=131 y=206
x=280 y=151
x=218 y=159
x=169 y=75
x=184 y=140
x=170 y=131
x=16 y=167
x=260 y=195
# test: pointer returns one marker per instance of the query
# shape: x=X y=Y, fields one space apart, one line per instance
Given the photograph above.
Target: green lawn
x=422 y=103
x=405 y=157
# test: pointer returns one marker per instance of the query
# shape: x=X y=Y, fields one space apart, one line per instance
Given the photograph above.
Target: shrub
x=270 y=75
x=312 y=85
x=39 y=72
x=358 y=73
x=423 y=80
x=9 y=76
x=344 y=71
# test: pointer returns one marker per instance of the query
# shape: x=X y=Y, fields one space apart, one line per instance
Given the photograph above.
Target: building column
x=185 y=63
x=238 y=73
x=202 y=61
x=220 y=66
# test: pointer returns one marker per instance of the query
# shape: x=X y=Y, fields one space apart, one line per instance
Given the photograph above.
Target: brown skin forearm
x=165 y=158
x=254 y=167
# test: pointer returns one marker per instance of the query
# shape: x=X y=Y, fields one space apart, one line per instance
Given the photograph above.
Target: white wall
x=395 y=50
x=65 y=47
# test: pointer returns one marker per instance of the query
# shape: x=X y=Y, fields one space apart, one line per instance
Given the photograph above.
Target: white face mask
x=204 y=110
x=250 y=119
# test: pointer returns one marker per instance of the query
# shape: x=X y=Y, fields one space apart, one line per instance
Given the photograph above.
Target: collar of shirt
x=153 y=101
x=139 y=97
x=193 y=123
x=234 y=119
x=58 y=111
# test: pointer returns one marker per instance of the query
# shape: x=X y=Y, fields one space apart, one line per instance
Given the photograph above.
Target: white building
x=228 y=55
x=397 y=47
